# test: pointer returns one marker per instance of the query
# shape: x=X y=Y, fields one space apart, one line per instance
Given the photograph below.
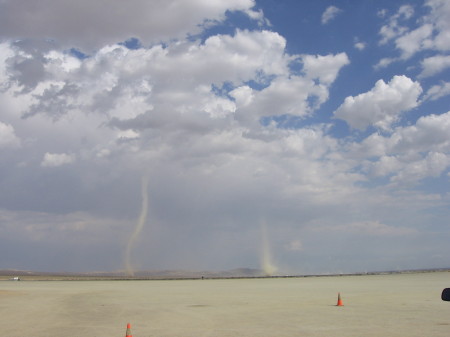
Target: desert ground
x=374 y=305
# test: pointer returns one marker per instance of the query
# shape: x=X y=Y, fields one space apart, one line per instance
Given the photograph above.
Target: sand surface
x=375 y=305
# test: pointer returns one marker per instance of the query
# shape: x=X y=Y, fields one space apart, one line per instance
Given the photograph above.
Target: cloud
x=293 y=95
x=187 y=112
x=381 y=106
x=56 y=159
x=324 y=68
x=373 y=228
x=283 y=96
x=440 y=11
x=384 y=62
x=434 y=65
x=360 y=45
x=8 y=137
x=183 y=78
x=410 y=153
x=382 y=13
x=385 y=166
x=404 y=170
x=433 y=165
x=431 y=33
x=329 y=14
x=125 y=83
x=414 y=41
x=437 y=91
x=393 y=28
x=108 y=22
x=127 y=135
x=429 y=133
x=5 y=53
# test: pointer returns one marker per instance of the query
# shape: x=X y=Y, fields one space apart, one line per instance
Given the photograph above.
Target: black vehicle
x=446 y=294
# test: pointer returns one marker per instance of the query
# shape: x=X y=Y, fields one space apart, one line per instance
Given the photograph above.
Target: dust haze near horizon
x=329 y=120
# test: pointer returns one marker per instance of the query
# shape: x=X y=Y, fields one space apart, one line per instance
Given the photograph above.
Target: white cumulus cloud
x=410 y=153
x=429 y=133
x=382 y=106
x=324 y=68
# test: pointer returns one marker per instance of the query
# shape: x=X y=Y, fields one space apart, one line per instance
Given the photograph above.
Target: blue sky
x=294 y=136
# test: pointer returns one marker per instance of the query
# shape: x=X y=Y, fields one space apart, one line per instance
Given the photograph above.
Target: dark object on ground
x=446 y=294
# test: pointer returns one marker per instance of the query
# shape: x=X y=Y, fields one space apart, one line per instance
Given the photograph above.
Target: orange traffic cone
x=128 y=334
x=339 y=303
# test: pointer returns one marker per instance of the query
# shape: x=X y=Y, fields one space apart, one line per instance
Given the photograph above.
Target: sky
x=301 y=137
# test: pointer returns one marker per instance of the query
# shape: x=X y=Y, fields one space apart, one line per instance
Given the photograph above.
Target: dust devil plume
x=266 y=258
x=139 y=225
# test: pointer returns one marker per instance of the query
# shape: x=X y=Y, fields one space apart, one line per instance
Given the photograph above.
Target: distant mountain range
x=152 y=274
x=173 y=274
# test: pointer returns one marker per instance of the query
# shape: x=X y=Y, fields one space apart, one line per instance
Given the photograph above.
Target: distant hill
x=175 y=274
x=144 y=274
